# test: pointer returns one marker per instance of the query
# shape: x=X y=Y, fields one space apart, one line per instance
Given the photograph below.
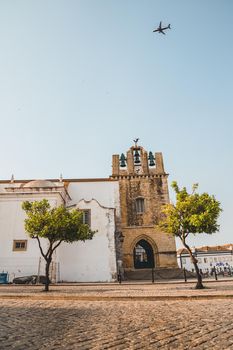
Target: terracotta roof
x=181 y=251
x=206 y=248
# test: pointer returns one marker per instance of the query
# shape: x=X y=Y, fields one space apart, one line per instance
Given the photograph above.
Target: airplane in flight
x=161 y=29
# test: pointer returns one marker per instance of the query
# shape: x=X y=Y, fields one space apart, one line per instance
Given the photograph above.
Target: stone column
x=159 y=163
x=115 y=165
x=145 y=166
x=130 y=162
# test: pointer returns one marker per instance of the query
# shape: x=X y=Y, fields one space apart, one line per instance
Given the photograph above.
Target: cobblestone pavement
x=62 y=324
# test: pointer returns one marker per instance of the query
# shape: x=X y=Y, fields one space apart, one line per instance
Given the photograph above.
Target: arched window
x=140 y=206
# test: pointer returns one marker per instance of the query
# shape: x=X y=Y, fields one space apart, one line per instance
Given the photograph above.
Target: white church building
x=93 y=260
x=123 y=210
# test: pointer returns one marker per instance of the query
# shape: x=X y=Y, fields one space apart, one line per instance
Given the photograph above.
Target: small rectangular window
x=20 y=245
x=140 y=208
x=87 y=217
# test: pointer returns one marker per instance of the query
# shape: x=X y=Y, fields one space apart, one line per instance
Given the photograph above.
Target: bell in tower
x=151 y=159
x=122 y=161
x=137 y=157
x=137 y=162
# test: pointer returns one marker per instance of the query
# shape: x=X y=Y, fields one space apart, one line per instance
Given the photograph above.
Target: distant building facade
x=209 y=257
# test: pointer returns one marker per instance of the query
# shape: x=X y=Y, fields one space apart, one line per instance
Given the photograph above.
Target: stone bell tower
x=143 y=190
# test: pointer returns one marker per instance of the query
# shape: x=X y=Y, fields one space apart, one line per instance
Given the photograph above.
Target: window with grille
x=140 y=207
x=87 y=217
x=20 y=245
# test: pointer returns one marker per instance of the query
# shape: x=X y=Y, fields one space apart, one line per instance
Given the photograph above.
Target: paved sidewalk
x=125 y=291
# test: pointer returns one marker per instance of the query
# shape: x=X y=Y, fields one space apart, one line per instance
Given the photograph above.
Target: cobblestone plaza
x=99 y=323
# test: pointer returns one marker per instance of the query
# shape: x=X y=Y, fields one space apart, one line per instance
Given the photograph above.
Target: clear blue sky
x=80 y=79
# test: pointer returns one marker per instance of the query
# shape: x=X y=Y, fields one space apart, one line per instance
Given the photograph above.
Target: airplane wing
x=162 y=32
x=160 y=25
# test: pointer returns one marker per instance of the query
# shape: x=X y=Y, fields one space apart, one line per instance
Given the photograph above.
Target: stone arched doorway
x=143 y=255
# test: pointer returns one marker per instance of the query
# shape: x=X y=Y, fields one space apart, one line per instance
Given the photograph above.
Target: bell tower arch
x=143 y=190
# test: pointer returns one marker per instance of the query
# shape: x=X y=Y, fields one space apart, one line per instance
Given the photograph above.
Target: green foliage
x=55 y=224
x=192 y=213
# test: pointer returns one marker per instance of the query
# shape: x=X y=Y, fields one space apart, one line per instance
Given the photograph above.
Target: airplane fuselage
x=161 y=29
x=164 y=29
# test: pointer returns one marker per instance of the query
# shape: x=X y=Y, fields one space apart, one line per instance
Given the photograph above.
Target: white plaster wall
x=93 y=260
x=18 y=263
x=105 y=192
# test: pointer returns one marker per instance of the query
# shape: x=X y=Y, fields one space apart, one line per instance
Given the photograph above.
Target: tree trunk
x=48 y=258
x=48 y=262
x=199 y=284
